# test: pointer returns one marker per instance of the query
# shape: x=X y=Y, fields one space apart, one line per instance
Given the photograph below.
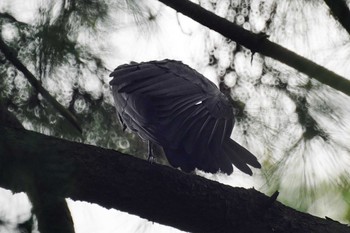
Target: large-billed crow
x=172 y=105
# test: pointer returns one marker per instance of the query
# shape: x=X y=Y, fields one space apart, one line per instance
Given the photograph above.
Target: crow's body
x=172 y=105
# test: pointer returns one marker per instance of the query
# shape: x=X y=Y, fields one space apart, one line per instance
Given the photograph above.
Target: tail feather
x=225 y=164
x=202 y=160
x=208 y=161
x=239 y=156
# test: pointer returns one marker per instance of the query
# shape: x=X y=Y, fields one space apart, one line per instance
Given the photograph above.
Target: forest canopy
x=284 y=64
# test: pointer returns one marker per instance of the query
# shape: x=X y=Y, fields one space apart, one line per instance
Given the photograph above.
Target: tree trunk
x=155 y=192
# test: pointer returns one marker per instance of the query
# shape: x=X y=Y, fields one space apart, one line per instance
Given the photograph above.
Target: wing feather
x=130 y=77
x=177 y=103
x=213 y=131
x=244 y=154
x=122 y=70
x=235 y=158
x=203 y=126
x=182 y=111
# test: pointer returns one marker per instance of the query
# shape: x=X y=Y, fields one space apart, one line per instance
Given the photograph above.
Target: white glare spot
x=230 y=79
x=9 y=32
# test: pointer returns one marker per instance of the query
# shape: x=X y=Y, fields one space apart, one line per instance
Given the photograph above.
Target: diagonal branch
x=10 y=18
x=36 y=84
x=155 y=192
x=259 y=43
x=341 y=12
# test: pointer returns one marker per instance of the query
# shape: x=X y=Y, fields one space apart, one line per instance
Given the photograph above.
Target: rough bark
x=51 y=211
x=155 y=192
x=260 y=44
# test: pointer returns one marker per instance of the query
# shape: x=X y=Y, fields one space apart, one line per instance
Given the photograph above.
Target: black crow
x=172 y=105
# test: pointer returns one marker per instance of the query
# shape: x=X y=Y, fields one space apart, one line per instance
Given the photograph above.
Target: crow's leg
x=150 y=152
x=122 y=122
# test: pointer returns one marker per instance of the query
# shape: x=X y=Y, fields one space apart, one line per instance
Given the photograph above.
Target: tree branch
x=51 y=211
x=36 y=84
x=10 y=18
x=259 y=43
x=341 y=12
x=155 y=192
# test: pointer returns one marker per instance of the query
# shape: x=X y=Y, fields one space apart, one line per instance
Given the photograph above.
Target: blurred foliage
x=27 y=226
x=294 y=124
x=53 y=50
x=275 y=106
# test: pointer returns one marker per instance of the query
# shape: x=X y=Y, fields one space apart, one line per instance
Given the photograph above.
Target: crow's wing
x=184 y=109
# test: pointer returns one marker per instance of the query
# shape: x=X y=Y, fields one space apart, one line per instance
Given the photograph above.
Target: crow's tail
x=230 y=153
x=239 y=156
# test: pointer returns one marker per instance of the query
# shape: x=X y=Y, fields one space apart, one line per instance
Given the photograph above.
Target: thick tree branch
x=155 y=192
x=341 y=12
x=259 y=43
x=36 y=84
x=51 y=211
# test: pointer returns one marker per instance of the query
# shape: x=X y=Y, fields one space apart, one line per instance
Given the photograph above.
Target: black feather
x=170 y=104
x=236 y=159
x=129 y=77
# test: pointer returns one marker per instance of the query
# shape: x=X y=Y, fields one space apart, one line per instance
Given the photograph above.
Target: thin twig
x=10 y=18
x=36 y=84
x=260 y=44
